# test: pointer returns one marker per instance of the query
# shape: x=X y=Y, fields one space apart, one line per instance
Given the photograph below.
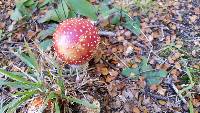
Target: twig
x=178 y=93
x=120 y=60
x=107 y=33
x=173 y=86
x=112 y=66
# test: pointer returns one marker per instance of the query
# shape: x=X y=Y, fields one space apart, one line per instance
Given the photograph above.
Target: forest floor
x=169 y=40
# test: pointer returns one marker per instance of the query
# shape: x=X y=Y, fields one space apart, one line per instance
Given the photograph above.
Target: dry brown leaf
x=127 y=34
x=174 y=72
x=177 y=55
x=141 y=82
x=31 y=34
x=137 y=59
x=145 y=110
x=196 y=102
x=150 y=38
x=166 y=66
x=104 y=71
x=177 y=65
x=193 y=18
x=158 y=66
x=134 y=65
x=156 y=34
x=161 y=90
x=194 y=53
x=2 y=25
x=114 y=49
x=162 y=102
x=196 y=66
x=170 y=59
x=168 y=40
x=197 y=10
x=113 y=73
x=120 y=38
x=112 y=89
x=136 y=110
x=153 y=87
x=172 y=26
x=179 y=44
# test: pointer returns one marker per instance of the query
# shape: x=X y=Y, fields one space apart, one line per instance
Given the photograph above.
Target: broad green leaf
x=16 y=15
x=23 y=99
x=81 y=102
x=131 y=72
x=46 y=44
x=59 y=14
x=113 y=13
x=143 y=69
x=45 y=3
x=133 y=25
x=83 y=7
x=72 y=14
x=116 y=19
x=105 y=12
x=154 y=77
x=29 y=3
x=144 y=65
x=47 y=32
x=23 y=9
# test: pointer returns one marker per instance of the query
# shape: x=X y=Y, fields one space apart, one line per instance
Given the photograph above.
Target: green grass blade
x=32 y=58
x=18 y=78
x=12 y=76
x=81 y=102
x=21 y=100
x=11 y=103
x=21 y=85
x=57 y=108
x=20 y=93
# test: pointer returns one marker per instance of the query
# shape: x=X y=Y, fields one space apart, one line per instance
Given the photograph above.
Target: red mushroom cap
x=75 y=41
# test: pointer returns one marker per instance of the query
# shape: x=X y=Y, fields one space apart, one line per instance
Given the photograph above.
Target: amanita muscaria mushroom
x=76 y=40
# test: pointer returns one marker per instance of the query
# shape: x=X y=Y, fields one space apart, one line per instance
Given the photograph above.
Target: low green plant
x=144 y=5
x=68 y=9
x=119 y=15
x=33 y=83
x=151 y=75
x=23 y=9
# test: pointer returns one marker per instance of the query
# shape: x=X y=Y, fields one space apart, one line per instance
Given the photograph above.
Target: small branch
x=107 y=33
x=173 y=86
